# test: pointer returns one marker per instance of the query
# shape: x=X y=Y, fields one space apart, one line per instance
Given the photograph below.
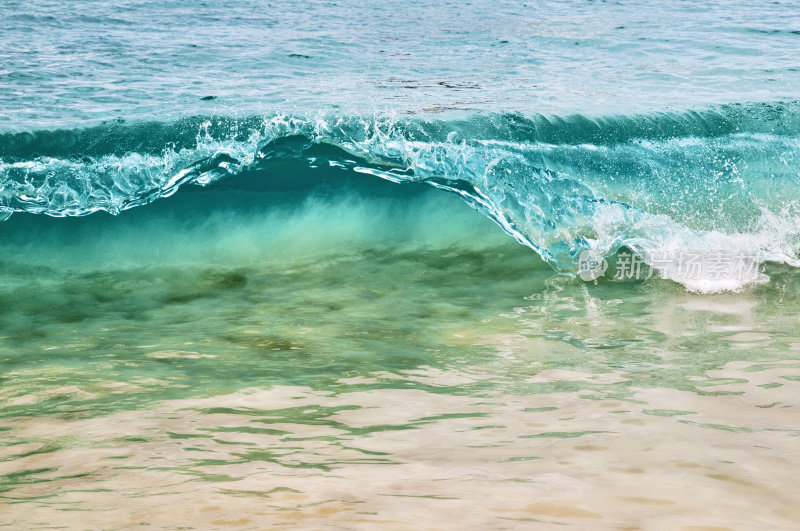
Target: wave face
x=718 y=185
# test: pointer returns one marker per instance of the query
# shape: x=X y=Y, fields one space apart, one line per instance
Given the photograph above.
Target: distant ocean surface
x=350 y=262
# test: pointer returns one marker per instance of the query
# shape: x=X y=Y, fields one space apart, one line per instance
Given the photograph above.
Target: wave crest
x=717 y=180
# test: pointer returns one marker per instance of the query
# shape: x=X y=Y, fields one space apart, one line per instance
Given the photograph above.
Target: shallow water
x=230 y=373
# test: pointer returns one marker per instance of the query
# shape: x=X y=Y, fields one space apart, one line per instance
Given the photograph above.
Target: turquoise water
x=482 y=265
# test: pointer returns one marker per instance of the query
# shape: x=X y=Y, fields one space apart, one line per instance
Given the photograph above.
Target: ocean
x=441 y=265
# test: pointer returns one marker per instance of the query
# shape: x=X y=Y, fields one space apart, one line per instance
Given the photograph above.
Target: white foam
x=702 y=261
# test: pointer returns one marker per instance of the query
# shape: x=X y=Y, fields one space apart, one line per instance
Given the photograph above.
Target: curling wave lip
x=719 y=179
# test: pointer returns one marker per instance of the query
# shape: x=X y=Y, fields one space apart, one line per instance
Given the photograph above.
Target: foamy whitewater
x=452 y=265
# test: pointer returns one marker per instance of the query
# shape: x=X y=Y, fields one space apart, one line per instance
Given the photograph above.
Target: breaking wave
x=716 y=186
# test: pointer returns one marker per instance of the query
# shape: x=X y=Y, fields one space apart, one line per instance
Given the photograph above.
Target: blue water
x=396 y=261
x=69 y=63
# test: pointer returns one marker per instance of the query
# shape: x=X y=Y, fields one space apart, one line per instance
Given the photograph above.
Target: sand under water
x=376 y=354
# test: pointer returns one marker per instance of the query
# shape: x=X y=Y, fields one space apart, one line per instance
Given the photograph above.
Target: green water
x=255 y=366
x=294 y=295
